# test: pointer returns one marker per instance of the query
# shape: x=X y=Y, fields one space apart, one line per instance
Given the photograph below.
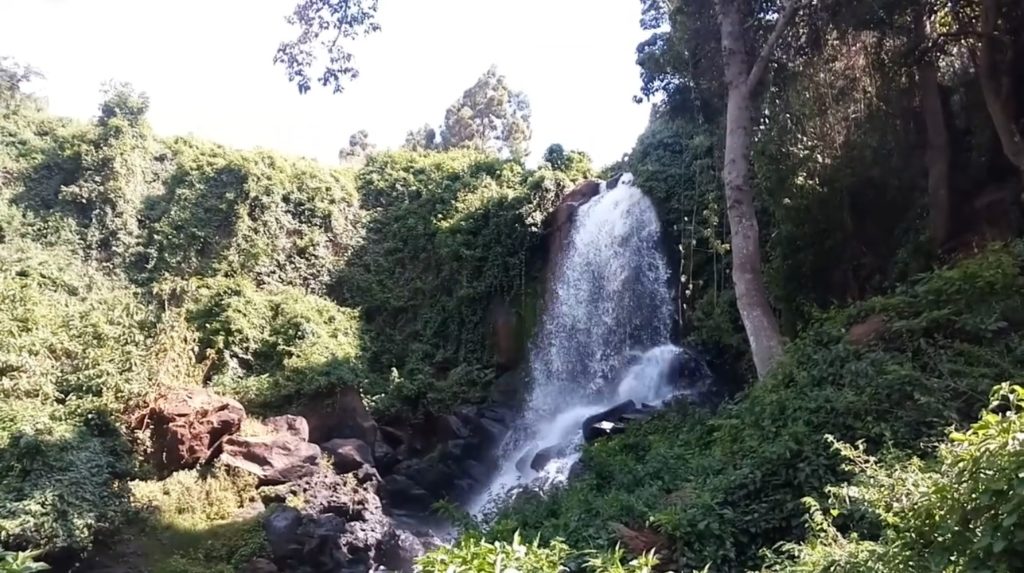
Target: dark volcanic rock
x=341 y=526
x=348 y=454
x=604 y=423
x=400 y=491
x=545 y=455
x=384 y=456
x=602 y=429
x=281 y=527
x=398 y=551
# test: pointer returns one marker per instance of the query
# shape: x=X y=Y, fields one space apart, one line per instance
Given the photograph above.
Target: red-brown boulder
x=274 y=460
x=289 y=424
x=188 y=425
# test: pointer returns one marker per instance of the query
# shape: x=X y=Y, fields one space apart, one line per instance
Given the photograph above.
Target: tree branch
x=766 y=53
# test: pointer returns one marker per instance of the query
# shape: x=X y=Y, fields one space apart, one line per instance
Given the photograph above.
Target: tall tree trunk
x=937 y=153
x=759 y=321
x=994 y=88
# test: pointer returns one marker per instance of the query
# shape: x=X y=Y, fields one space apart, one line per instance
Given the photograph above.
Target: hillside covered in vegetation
x=884 y=435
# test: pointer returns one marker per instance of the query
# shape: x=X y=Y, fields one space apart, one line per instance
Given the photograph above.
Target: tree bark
x=937 y=153
x=759 y=321
x=993 y=88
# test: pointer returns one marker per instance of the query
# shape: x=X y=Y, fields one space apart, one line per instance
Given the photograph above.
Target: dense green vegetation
x=131 y=263
x=887 y=172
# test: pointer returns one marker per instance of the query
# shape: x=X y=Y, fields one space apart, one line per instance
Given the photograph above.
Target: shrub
x=473 y=554
x=60 y=479
x=274 y=347
x=20 y=562
x=72 y=358
x=258 y=215
x=197 y=521
x=960 y=512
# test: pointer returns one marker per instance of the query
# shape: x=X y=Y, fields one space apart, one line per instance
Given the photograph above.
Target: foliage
x=20 y=562
x=273 y=347
x=575 y=164
x=72 y=356
x=960 y=512
x=472 y=554
x=192 y=521
x=323 y=26
x=448 y=237
x=359 y=147
x=13 y=77
x=191 y=500
x=255 y=214
x=422 y=139
x=114 y=177
x=723 y=485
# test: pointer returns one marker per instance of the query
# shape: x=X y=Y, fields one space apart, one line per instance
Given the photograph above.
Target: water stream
x=603 y=339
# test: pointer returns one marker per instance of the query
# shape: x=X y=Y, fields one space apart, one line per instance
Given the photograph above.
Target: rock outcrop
x=288 y=424
x=276 y=459
x=343 y=415
x=187 y=427
x=348 y=454
x=341 y=526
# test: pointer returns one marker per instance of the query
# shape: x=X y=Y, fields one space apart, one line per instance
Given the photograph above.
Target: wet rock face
x=187 y=427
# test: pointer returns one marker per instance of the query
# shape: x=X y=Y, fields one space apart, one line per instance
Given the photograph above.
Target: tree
x=13 y=76
x=323 y=26
x=489 y=116
x=359 y=147
x=422 y=139
x=996 y=81
x=742 y=80
x=937 y=151
x=577 y=165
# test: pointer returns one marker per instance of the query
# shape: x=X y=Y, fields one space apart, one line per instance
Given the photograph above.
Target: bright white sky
x=206 y=65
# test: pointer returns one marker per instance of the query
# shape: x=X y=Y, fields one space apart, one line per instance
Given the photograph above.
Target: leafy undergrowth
x=206 y=521
x=473 y=554
x=722 y=487
x=959 y=512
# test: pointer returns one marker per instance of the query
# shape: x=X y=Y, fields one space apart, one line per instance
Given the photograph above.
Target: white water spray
x=602 y=341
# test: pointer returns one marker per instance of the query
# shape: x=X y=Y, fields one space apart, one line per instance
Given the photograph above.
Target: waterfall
x=603 y=339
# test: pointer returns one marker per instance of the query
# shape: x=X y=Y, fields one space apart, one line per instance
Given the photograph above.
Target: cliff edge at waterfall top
x=682 y=287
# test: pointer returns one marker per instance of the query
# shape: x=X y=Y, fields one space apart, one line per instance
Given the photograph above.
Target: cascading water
x=603 y=339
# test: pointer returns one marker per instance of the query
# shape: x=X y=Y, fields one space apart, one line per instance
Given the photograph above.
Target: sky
x=207 y=67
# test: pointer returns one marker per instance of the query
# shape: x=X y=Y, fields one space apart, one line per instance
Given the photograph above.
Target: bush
x=72 y=359
x=274 y=347
x=722 y=486
x=960 y=512
x=199 y=521
x=258 y=215
x=472 y=554
x=20 y=562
